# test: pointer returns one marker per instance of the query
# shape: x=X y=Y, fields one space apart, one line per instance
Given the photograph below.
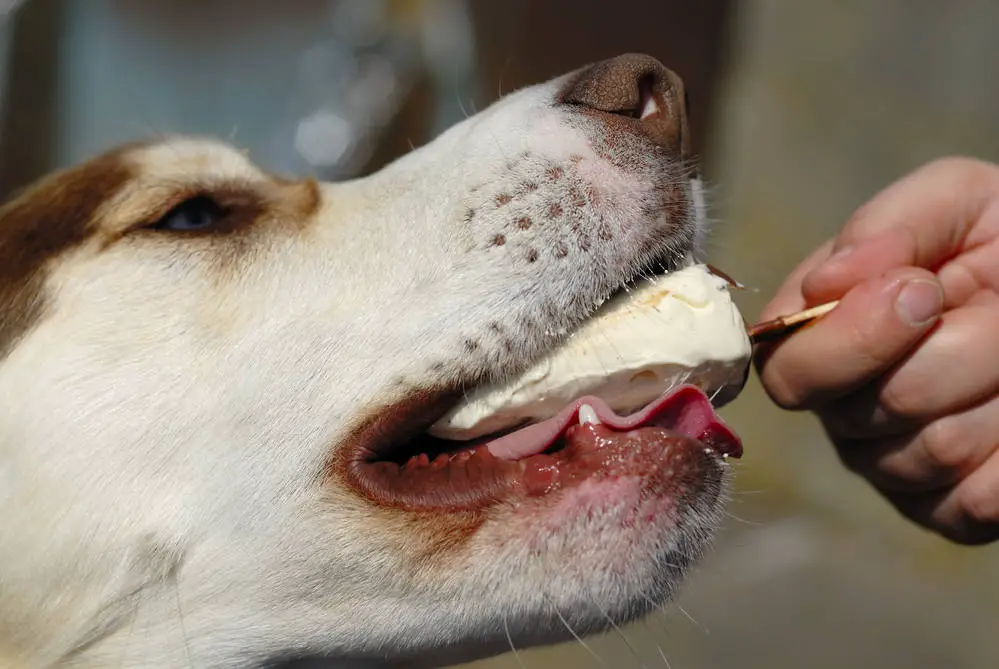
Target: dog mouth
x=586 y=439
x=407 y=456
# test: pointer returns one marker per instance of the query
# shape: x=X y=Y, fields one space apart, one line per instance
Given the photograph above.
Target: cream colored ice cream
x=679 y=328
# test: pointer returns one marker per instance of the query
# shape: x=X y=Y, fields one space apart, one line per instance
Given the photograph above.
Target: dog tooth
x=587 y=415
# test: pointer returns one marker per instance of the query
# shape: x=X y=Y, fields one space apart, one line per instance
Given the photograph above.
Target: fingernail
x=919 y=302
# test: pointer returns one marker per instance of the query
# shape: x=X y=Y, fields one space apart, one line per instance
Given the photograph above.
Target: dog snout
x=639 y=88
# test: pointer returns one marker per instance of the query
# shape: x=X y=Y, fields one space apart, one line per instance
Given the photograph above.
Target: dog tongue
x=685 y=411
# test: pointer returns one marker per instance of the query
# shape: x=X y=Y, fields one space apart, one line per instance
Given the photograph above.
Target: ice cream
x=678 y=328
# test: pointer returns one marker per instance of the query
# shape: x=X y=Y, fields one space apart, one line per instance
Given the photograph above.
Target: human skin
x=904 y=372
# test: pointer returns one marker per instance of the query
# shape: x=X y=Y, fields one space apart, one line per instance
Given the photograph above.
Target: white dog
x=209 y=376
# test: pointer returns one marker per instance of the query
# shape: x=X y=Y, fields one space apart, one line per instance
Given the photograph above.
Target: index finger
x=922 y=220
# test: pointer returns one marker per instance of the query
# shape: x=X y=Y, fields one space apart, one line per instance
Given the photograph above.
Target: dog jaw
x=172 y=403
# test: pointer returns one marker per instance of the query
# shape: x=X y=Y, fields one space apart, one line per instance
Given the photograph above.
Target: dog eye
x=198 y=213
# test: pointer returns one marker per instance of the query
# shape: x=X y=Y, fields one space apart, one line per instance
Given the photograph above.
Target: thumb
x=873 y=327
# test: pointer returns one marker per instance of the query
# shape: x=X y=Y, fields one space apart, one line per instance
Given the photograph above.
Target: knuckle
x=945 y=444
x=980 y=504
x=897 y=402
x=953 y=523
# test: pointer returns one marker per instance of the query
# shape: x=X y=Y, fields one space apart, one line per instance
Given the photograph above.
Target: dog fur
x=173 y=403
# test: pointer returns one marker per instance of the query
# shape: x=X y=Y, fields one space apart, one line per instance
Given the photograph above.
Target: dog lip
x=475 y=478
x=385 y=425
x=361 y=465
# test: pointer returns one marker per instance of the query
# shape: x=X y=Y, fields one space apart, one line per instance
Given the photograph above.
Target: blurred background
x=801 y=112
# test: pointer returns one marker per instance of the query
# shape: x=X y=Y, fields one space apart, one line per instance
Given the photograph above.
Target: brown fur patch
x=54 y=215
x=304 y=197
x=441 y=535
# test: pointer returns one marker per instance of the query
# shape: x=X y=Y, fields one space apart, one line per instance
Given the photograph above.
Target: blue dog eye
x=198 y=213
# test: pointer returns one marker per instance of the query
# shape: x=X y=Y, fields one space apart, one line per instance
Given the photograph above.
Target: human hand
x=904 y=372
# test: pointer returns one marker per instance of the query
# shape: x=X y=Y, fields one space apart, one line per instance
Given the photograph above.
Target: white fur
x=163 y=429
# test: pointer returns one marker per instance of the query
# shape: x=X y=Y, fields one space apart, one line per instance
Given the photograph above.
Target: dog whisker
x=180 y=621
x=744 y=521
x=461 y=105
x=689 y=617
x=136 y=612
x=576 y=636
x=617 y=629
x=509 y=640
x=662 y=656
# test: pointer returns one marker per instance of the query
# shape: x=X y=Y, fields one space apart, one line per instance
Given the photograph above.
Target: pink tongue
x=685 y=411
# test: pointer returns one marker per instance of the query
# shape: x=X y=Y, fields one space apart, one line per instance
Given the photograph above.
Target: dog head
x=209 y=376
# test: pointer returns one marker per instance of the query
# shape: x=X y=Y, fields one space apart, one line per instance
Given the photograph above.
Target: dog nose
x=639 y=88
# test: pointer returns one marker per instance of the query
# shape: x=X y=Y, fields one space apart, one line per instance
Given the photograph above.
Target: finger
x=935 y=456
x=954 y=368
x=967 y=513
x=853 y=264
x=921 y=220
x=941 y=199
x=788 y=298
x=873 y=327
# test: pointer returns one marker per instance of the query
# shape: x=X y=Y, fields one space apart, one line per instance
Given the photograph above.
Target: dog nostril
x=636 y=87
x=647 y=104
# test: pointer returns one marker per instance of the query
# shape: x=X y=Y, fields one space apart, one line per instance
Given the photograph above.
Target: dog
x=212 y=379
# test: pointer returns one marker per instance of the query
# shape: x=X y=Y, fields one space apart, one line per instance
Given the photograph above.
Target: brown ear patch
x=50 y=217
